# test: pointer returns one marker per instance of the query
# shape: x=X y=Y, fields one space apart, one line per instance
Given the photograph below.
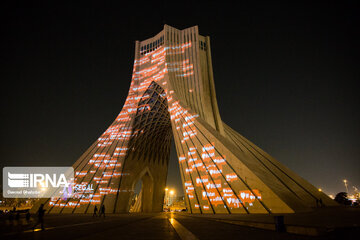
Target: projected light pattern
x=207 y=178
x=172 y=94
x=97 y=176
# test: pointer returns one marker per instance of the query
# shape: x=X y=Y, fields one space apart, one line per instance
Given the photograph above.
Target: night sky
x=285 y=74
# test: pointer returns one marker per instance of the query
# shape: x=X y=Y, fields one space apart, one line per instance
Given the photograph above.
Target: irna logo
x=23 y=180
x=37 y=182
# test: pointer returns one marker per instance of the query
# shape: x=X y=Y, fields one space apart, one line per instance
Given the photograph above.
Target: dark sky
x=285 y=73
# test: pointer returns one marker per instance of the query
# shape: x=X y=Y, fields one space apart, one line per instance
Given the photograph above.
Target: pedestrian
x=95 y=211
x=40 y=213
x=102 y=210
x=28 y=216
x=321 y=203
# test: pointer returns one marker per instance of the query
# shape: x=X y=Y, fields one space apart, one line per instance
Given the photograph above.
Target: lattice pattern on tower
x=152 y=125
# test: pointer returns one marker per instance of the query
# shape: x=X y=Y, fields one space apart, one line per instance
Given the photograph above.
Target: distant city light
x=346 y=186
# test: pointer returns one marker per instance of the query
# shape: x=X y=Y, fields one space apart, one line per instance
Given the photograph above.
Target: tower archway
x=149 y=153
x=143 y=200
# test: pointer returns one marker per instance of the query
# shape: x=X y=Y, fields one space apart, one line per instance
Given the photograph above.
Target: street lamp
x=345 y=182
x=166 y=196
x=172 y=192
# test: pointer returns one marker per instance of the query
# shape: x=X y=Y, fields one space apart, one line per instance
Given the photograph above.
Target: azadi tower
x=172 y=95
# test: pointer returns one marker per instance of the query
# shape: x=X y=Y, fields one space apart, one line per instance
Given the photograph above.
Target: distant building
x=178 y=204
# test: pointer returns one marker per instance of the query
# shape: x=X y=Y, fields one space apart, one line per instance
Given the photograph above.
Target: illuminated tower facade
x=172 y=95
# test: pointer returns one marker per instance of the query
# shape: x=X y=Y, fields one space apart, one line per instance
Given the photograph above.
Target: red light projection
x=203 y=166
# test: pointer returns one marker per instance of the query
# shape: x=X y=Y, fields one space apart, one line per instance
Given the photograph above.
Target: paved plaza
x=183 y=226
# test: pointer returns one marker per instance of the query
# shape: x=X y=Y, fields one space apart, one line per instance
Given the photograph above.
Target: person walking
x=40 y=213
x=102 y=210
x=95 y=211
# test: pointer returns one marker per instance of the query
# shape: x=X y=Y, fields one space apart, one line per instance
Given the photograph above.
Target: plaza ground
x=321 y=224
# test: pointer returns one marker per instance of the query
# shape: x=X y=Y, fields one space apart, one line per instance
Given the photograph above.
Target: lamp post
x=172 y=192
x=166 y=197
x=345 y=182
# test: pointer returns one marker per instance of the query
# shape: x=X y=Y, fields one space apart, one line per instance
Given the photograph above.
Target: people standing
x=40 y=213
x=28 y=216
x=95 y=211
